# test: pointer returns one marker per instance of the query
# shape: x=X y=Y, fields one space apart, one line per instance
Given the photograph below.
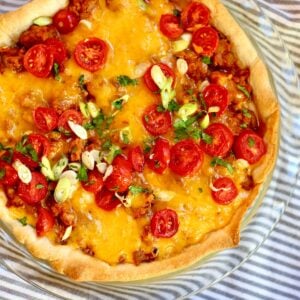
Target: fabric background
x=274 y=271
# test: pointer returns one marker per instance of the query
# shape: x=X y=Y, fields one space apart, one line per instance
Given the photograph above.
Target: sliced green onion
x=205 y=122
x=63 y=190
x=42 y=21
x=93 y=109
x=59 y=167
x=187 y=110
x=84 y=109
x=126 y=135
x=46 y=168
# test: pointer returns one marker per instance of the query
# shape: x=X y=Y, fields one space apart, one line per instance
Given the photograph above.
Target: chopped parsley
x=125 y=80
x=246 y=113
x=56 y=72
x=107 y=145
x=81 y=82
x=251 y=142
x=176 y=12
x=220 y=162
x=39 y=186
x=244 y=90
x=26 y=149
x=2 y=173
x=23 y=221
x=208 y=139
x=82 y=174
x=118 y=104
x=206 y=60
x=125 y=138
x=148 y=144
x=137 y=189
x=172 y=106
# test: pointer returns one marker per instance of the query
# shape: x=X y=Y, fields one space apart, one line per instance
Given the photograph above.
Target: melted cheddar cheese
x=135 y=42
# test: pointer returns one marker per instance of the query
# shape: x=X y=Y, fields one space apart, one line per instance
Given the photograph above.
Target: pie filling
x=129 y=136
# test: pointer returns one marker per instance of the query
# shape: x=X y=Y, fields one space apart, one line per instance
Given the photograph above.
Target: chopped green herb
x=137 y=189
x=2 y=173
x=107 y=145
x=23 y=221
x=251 y=142
x=208 y=139
x=246 y=113
x=200 y=190
x=148 y=144
x=244 y=125
x=118 y=104
x=82 y=174
x=125 y=80
x=89 y=126
x=2 y=147
x=26 y=149
x=125 y=138
x=220 y=162
x=244 y=90
x=173 y=106
x=160 y=108
x=39 y=186
x=176 y=12
x=7 y=157
x=81 y=82
x=56 y=71
x=190 y=92
x=206 y=60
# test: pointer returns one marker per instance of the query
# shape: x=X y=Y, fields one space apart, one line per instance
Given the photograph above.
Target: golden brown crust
x=24 y=16
x=81 y=267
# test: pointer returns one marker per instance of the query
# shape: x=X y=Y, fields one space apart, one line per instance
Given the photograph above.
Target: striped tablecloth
x=274 y=271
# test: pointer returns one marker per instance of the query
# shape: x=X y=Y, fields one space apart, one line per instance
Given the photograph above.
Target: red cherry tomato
x=205 y=41
x=39 y=143
x=25 y=159
x=121 y=176
x=65 y=21
x=38 y=60
x=69 y=115
x=91 y=54
x=94 y=183
x=216 y=95
x=249 y=146
x=58 y=50
x=107 y=200
x=169 y=26
x=186 y=158
x=45 y=222
x=35 y=191
x=137 y=159
x=164 y=223
x=155 y=122
x=45 y=118
x=222 y=140
x=9 y=176
x=149 y=81
x=195 y=15
x=159 y=158
x=225 y=191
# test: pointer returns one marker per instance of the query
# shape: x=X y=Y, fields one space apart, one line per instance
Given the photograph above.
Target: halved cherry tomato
x=45 y=221
x=65 y=21
x=45 y=118
x=107 y=200
x=195 y=15
x=91 y=54
x=39 y=60
x=155 y=122
x=169 y=26
x=186 y=158
x=249 y=146
x=94 y=183
x=149 y=81
x=25 y=159
x=222 y=140
x=69 y=115
x=205 y=41
x=39 y=143
x=164 y=223
x=121 y=176
x=35 y=191
x=159 y=157
x=225 y=191
x=58 y=50
x=9 y=175
x=137 y=159
x=216 y=96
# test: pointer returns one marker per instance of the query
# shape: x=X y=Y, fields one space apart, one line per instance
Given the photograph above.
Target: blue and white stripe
x=270 y=271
